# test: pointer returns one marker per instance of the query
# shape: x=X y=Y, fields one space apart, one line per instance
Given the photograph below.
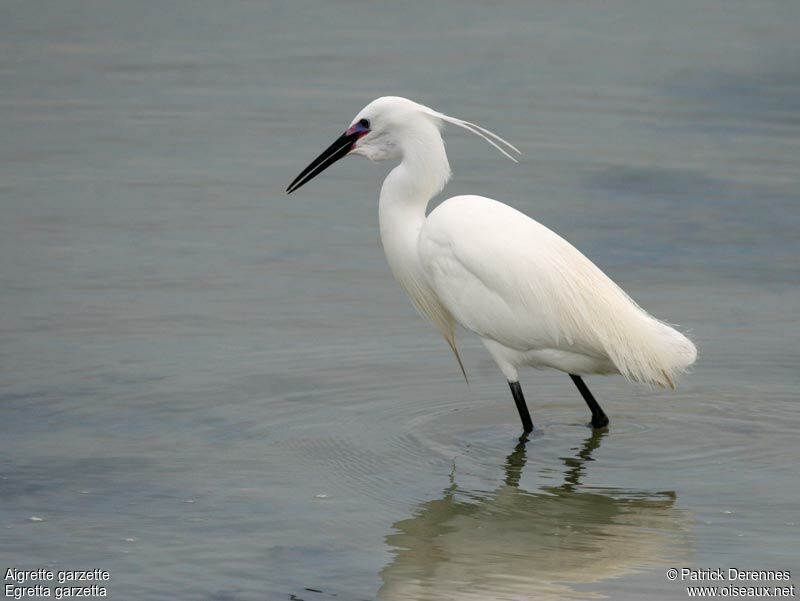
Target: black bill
x=334 y=152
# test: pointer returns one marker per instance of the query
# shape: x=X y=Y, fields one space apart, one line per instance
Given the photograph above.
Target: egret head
x=387 y=128
x=393 y=124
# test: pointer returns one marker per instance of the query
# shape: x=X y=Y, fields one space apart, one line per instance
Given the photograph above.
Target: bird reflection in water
x=514 y=544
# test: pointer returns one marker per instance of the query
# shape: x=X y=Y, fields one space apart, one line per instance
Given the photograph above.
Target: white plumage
x=535 y=300
x=530 y=295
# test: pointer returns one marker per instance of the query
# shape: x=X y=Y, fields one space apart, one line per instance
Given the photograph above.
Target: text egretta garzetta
x=532 y=297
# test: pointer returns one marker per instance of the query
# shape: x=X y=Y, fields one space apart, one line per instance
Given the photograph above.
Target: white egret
x=532 y=297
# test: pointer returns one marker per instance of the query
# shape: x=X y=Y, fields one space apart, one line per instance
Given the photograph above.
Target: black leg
x=599 y=418
x=522 y=407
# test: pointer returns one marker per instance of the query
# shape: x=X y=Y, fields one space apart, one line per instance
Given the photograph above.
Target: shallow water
x=214 y=391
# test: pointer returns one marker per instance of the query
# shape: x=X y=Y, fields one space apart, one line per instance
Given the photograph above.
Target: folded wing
x=510 y=279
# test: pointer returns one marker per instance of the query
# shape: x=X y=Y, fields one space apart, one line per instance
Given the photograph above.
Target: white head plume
x=487 y=135
x=397 y=109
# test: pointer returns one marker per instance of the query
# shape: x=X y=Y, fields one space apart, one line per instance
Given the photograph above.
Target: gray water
x=216 y=391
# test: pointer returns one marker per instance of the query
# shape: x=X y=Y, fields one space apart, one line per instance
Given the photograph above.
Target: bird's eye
x=364 y=123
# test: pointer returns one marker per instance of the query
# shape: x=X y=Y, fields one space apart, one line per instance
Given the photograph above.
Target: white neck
x=405 y=194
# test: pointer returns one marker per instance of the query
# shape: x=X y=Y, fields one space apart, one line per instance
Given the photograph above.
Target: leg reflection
x=508 y=542
x=517 y=459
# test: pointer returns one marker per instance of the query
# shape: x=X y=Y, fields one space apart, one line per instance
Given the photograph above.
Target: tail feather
x=592 y=308
x=653 y=353
x=643 y=348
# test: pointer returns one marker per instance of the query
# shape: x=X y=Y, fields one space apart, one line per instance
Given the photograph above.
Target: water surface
x=215 y=391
